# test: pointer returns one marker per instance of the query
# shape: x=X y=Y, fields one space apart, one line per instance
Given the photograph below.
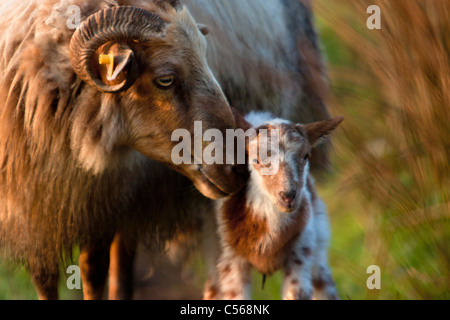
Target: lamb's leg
x=122 y=256
x=324 y=286
x=297 y=283
x=94 y=265
x=234 y=277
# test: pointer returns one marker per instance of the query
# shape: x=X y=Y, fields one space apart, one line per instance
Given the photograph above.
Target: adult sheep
x=77 y=136
x=69 y=172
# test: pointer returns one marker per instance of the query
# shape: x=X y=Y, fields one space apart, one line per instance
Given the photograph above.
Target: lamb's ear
x=317 y=131
x=241 y=123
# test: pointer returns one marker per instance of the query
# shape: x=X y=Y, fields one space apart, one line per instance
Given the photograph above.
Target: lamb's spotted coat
x=256 y=230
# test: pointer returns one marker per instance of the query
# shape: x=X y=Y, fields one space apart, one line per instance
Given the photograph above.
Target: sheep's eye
x=165 y=82
x=306 y=158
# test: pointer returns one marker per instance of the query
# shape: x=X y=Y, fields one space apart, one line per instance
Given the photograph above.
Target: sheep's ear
x=116 y=64
x=203 y=29
x=317 y=131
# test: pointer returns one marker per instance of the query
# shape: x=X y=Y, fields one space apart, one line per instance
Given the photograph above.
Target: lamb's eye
x=165 y=82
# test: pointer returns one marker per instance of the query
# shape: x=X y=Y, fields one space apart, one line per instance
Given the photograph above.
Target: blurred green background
x=388 y=192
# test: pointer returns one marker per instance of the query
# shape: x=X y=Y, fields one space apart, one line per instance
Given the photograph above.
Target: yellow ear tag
x=107 y=59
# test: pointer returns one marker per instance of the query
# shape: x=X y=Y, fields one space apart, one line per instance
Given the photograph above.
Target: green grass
x=15 y=283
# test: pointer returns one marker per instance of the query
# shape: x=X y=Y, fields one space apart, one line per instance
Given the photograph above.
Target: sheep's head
x=149 y=72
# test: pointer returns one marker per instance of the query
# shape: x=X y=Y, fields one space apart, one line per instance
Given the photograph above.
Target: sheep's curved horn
x=112 y=24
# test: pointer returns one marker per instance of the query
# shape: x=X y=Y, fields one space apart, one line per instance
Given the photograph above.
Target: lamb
x=276 y=222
